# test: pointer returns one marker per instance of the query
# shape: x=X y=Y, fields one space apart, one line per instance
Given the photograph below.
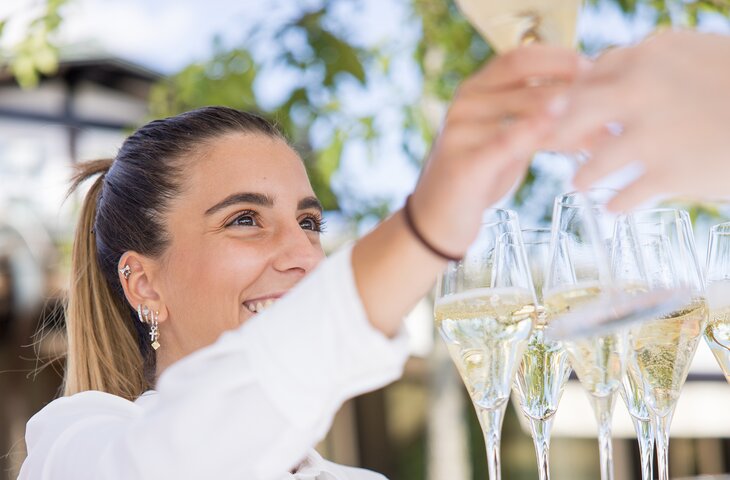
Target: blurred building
x=81 y=112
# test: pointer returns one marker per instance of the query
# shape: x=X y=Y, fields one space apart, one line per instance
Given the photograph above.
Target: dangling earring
x=155 y=331
x=146 y=316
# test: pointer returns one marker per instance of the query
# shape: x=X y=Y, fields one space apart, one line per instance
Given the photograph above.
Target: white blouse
x=250 y=406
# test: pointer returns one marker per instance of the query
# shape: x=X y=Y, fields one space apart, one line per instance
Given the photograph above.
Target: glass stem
x=645 y=436
x=541 y=438
x=603 y=409
x=491 y=422
x=661 y=426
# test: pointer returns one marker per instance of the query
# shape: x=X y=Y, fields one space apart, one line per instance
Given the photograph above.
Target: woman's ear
x=137 y=273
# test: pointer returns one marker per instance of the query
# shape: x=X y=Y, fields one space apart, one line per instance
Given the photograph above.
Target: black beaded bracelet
x=416 y=233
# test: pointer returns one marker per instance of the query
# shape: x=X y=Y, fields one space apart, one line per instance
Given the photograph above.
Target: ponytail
x=103 y=352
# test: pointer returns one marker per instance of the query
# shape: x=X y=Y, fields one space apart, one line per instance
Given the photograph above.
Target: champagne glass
x=509 y=24
x=484 y=311
x=579 y=274
x=717 y=332
x=544 y=370
x=663 y=347
x=629 y=273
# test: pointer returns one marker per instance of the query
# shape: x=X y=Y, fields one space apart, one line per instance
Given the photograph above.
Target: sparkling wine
x=486 y=331
x=663 y=350
x=542 y=375
x=597 y=361
x=506 y=24
x=717 y=332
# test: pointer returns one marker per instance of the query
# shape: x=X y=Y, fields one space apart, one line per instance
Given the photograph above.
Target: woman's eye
x=245 y=220
x=312 y=224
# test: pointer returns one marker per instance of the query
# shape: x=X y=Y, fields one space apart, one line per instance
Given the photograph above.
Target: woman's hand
x=495 y=124
x=497 y=120
x=671 y=96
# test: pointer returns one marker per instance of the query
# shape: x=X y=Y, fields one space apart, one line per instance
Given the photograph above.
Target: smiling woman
x=207 y=338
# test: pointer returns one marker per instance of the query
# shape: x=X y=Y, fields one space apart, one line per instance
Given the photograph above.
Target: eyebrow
x=310 y=203
x=244 y=197
x=261 y=200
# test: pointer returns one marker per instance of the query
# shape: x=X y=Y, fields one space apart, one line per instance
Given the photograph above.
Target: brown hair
x=108 y=348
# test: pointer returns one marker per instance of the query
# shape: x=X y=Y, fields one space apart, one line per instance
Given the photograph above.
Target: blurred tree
x=36 y=53
x=448 y=50
x=328 y=63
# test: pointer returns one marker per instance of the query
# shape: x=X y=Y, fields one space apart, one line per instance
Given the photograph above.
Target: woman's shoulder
x=88 y=404
x=66 y=417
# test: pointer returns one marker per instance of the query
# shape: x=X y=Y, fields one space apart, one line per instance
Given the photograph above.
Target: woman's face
x=244 y=231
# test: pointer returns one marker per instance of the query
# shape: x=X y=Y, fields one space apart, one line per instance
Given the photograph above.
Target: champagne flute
x=484 y=311
x=717 y=332
x=628 y=271
x=509 y=24
x=663 y=347
x=577 y=277
x=545 y=368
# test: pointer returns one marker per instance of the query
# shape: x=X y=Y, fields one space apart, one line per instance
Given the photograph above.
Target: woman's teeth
x=258 y=307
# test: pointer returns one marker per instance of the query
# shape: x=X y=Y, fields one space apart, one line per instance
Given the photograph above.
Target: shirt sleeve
x=248 y=406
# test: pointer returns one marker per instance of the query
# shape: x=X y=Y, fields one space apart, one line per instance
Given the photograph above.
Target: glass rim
x=720 y=229
x=677 y=212
x=565 y=200
x=510 y=215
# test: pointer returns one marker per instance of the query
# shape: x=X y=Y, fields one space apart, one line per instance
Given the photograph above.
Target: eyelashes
x=318 y=223
x=246 y=218
x=251 y=218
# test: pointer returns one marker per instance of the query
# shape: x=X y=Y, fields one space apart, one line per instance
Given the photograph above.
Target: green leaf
x=321 y=171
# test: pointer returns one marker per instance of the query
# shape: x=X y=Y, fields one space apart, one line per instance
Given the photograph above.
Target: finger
x=496 y=105
x=518 y=141
x=587 y=143
x=511 y=174
x=599 y=97
x=608 y=156
x=589 y=107
x=533 y=61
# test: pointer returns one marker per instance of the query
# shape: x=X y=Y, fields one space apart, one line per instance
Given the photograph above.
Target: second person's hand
x=671 y=95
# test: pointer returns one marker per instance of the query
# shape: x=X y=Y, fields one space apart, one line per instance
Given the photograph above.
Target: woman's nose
x=297 y=251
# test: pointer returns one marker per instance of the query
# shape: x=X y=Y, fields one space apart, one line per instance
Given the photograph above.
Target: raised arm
x=496 y=122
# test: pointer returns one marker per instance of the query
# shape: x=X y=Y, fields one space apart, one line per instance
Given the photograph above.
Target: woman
x=204 y=224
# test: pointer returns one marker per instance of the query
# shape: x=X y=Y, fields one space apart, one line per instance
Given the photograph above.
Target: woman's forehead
x=246 y=162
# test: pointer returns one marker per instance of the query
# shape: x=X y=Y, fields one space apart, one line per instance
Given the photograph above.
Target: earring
x=155 y=331
x=126 y=271
x=146 y=316
x=143 y=313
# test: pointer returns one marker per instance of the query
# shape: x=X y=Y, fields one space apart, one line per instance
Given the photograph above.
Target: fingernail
x=558 y=105
x=615 y=128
